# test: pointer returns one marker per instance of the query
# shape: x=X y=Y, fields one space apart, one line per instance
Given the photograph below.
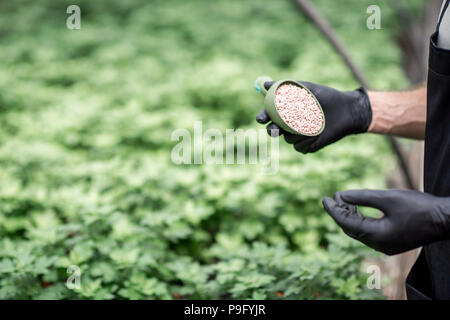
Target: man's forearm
x=399 y=113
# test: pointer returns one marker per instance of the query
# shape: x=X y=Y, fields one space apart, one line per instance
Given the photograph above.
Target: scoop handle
x=259 y=84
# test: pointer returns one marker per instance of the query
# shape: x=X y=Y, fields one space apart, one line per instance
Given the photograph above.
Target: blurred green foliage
x=86 y=118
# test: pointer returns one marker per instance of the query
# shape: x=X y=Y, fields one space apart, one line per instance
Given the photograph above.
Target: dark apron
x=430 y=276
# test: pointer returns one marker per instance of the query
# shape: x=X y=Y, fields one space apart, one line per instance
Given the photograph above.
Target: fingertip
x=348 y=195
x=326 y=199
x=378 y=199
x=337 y=197
x=327 y=203
x=268 y=84
x=302 y=147
x=315 y=145
x=291 y=138
x=312 y=148
x=262 y=117
x=348 y=207
x=335 y=210
x=273 y=130
x=362 y=196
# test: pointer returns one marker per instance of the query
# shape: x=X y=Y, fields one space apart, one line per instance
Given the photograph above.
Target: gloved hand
x=345 y=113
x=411 y=218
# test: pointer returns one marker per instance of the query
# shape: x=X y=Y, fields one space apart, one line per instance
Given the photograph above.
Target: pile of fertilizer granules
x=298 y=108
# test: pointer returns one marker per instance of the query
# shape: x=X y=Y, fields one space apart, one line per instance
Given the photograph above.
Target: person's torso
x=437 y=148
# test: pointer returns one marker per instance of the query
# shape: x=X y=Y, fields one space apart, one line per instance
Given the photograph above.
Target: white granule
x=298 y=108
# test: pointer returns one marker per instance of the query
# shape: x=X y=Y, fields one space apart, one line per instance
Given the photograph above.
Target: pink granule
x=298 y=108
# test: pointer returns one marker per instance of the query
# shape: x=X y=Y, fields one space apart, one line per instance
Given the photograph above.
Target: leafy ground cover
x=86 y=118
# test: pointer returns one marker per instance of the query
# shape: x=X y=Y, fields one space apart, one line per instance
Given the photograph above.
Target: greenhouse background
x=86 y=118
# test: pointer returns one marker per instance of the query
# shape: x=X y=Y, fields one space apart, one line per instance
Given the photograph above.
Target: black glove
x=411 y=218
x=345 y=113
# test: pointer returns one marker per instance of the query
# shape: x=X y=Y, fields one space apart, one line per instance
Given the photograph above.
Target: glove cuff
x=362 y=112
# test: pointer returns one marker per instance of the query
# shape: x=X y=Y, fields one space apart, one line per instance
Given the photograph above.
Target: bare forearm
x=399 y=113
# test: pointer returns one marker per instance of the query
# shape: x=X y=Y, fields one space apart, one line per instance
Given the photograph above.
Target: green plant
x=86 y=178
